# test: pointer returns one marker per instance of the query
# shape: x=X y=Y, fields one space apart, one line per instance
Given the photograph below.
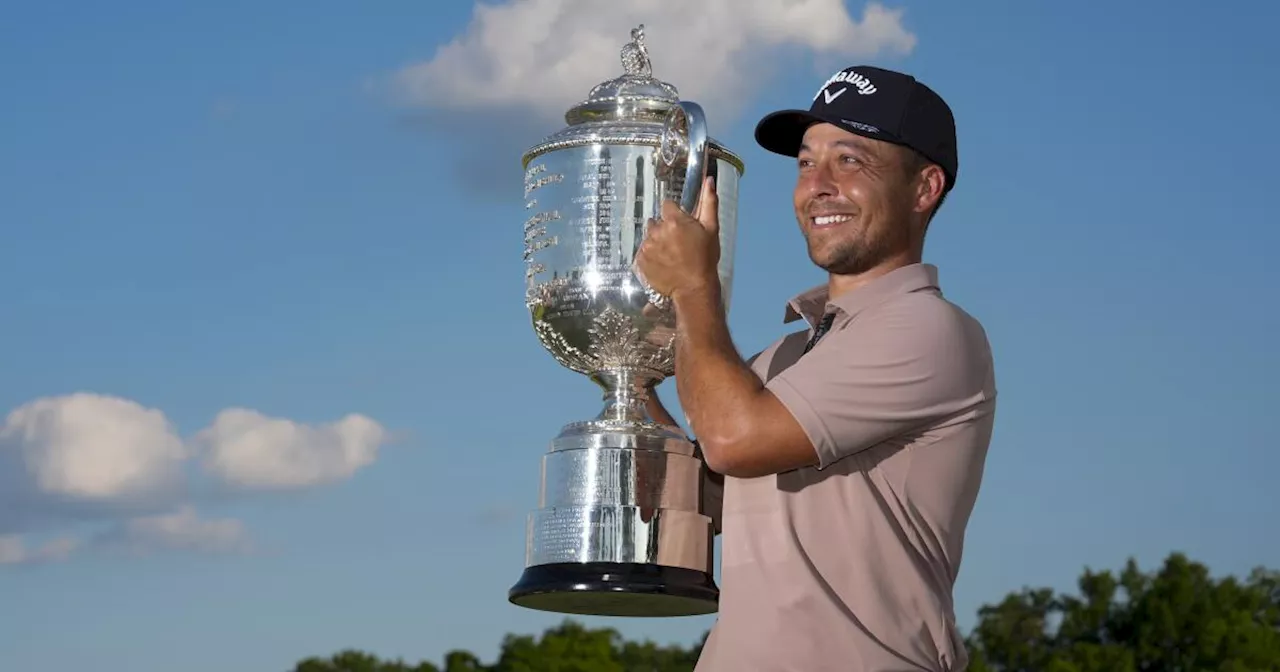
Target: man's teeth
x=830 y=219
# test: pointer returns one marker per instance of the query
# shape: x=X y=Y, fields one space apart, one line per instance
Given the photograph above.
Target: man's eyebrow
x=847 y=144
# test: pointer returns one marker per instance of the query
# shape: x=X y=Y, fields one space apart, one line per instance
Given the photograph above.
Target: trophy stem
x=626 y=395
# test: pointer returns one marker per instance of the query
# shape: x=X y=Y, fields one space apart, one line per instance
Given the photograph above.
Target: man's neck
x=843 y=284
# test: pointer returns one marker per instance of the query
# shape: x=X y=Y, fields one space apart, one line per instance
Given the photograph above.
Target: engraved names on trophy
x=536 y=237
x=597 y=200
x=532 y=182
x=535 y=234
x=567 y=293
x=560 y=534
x=589 y=226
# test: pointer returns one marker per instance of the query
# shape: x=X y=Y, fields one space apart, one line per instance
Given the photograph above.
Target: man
x=851 y=451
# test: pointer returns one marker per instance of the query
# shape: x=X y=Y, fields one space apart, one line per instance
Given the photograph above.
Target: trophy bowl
x=620 y=528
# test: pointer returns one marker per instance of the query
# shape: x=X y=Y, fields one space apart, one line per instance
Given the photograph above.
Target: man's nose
x=820 y=181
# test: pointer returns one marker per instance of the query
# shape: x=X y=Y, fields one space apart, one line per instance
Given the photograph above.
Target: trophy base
x=616 y=589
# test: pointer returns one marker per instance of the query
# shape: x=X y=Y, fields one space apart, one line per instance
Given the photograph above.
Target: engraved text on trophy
x=587 y=210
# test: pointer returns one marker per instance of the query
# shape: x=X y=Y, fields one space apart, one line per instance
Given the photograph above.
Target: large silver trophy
x=620 y=529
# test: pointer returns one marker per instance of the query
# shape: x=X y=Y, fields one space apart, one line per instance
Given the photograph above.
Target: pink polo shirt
x=849 y=566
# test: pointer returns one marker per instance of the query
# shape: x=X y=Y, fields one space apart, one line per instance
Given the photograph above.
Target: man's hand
x=680 y=252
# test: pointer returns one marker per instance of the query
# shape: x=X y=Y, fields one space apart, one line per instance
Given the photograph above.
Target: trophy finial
x=635 y=56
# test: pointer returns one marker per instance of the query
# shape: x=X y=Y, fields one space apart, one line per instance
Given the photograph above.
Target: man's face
x=854 y=200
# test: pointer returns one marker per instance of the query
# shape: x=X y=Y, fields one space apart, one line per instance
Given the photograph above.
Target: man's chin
x=825 y=258
x=842 y=264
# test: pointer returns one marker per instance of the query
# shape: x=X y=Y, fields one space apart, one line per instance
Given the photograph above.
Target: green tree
x=1176 y=619
x=567 y=647
x=351 y=660
x=462 y=661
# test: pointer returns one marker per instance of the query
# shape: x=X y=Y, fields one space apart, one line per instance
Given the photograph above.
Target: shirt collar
x=813 y=303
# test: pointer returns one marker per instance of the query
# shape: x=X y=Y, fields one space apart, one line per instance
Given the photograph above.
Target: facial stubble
x=849 y=256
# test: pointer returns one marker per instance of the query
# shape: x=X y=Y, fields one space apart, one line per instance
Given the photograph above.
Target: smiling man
x=851 y=451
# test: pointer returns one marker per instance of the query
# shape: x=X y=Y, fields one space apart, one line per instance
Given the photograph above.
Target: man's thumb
x=709 y=206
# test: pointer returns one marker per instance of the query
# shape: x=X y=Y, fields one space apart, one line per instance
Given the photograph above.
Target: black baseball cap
x=875 y=103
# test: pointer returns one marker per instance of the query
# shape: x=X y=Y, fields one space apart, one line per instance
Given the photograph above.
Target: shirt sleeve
x=896 y=368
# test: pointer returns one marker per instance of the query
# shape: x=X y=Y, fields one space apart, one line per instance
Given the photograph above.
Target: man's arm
x=743 y=429
x=914 y=364
x=660 y=414
x=900 y=367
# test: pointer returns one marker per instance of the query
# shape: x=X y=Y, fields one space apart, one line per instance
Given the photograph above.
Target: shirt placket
x=824 y=325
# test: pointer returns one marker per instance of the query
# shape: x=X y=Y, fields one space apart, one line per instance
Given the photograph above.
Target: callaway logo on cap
x=875 y=103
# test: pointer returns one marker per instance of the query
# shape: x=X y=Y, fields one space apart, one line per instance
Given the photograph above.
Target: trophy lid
x=634 y=96
x=628 y=109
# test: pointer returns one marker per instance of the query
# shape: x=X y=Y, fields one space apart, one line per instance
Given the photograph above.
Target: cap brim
x=783 y=132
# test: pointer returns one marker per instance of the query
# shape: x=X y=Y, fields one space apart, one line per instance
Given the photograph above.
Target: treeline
x=1177 y=618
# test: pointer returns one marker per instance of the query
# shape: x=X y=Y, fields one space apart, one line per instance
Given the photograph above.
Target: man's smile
x=827 y=221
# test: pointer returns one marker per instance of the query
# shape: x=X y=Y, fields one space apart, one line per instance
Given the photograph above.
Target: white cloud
x=542 y=56
x=248 y=449
x=14 y=550
x=91 y=446
x=119 y=473
x=181 y=530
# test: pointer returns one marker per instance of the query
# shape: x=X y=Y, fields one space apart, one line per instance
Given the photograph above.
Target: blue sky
x=233 y=206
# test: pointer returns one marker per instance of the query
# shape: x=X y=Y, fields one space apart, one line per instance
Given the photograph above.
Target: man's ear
x=930 y=184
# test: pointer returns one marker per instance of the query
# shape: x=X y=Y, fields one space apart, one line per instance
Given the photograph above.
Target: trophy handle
x=684 y=136
x=684 y=140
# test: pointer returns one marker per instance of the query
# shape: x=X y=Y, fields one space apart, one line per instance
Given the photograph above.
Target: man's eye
x=848 y=158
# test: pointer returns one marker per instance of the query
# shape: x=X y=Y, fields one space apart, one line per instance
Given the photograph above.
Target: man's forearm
x=717 y=388
x=660 y=414
x=657 y=412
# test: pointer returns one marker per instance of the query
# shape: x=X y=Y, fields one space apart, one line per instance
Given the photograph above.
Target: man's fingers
x=671 y=211
x=651 y=229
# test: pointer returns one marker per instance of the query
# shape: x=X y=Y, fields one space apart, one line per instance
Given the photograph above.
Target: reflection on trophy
x=619 y=529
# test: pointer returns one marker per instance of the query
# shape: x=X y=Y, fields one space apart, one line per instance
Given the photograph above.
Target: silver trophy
x=619 y=529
